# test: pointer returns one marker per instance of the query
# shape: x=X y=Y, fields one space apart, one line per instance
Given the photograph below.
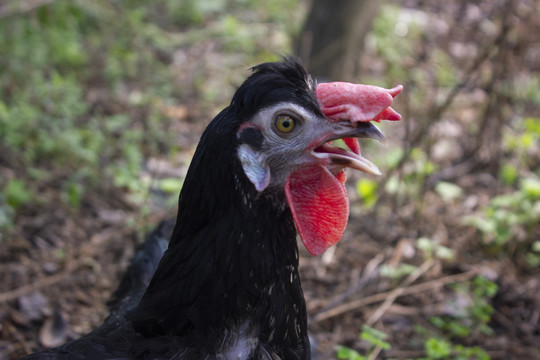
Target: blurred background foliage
x=102 y=102
x=89 y=90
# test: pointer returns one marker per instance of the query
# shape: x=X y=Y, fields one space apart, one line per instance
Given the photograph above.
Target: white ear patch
x=255 y=167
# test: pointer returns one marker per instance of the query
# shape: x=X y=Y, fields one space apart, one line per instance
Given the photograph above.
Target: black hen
x=228 y=286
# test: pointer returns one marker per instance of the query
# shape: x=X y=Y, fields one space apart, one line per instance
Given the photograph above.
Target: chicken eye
x=285 y=123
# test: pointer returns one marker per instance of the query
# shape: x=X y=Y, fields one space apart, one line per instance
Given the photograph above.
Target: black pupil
x=286 y=123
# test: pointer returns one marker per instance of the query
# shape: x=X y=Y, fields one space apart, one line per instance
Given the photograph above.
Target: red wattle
x=319 y=205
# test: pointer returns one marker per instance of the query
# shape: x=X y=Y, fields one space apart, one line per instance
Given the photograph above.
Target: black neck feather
x=232 y=259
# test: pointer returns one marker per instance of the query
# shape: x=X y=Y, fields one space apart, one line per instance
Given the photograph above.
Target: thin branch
x=469 y=160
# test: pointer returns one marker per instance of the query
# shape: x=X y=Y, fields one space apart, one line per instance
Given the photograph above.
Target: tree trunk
x=332 y=39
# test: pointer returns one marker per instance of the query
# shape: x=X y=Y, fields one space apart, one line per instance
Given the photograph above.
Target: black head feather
x=271 y=83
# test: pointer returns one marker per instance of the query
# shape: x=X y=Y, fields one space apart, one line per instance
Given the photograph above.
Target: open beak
x=339 y=158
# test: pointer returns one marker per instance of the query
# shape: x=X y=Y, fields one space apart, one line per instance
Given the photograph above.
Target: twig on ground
x=414 y=289
x=368 y=273
x=399 y=291
x=38 y=284
x=373 y=355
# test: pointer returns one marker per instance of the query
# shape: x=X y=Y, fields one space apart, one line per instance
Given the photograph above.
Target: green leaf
x=487 y=226
x=506 y=201
x=448 y=191
x=367 y=190
x=392 y=185
x=531 y=188
x=425 y=245
x=398 y=272
x=374 y=337
x=171 y=185
x=526 y=140
x=533 y=260
x=393 y=157
x=437 y=348
x=457 y=329
x=532 y=125
x=343 y=352
x=467 y=353
x=17 y=193
x=444 y=253
x=485 y=287
x=73 y=194
x=508 y=174
x=6 y=216
x=437 y=321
